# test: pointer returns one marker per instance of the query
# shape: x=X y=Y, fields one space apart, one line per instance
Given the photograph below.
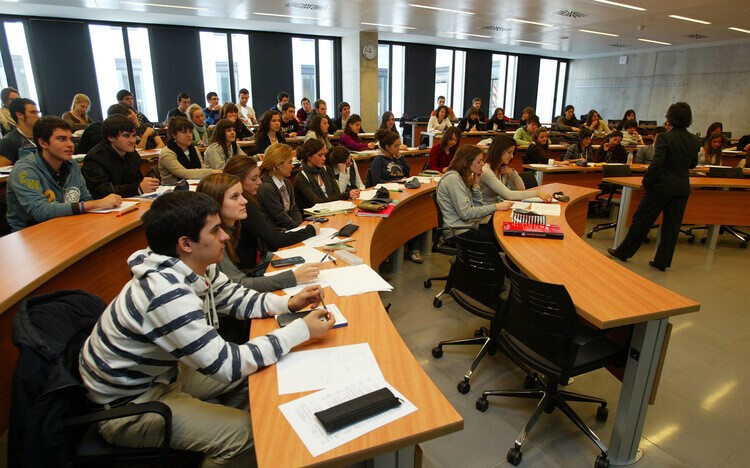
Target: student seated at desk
x=595 y=123
x=78 y=116
x=269 y=131
x=179 y=159
x=470 y=122
x=237 y=214
x=389 y=165
x=526 y=114
x=230 y=112
x=440 y=121
x=568 y=121
x=223 y=145
x=580 y=150
x=388 y=122
x=289 y=125
x=48 y=184
x=158 y=340
x=501 y=182
x=201 y=133
x=497 y=121
x=315 y=182
x=710 y=152
x=612 y=151
x=318 y=130
x=629 y=115
x=714 y=127
x=460 y=198
x=538 y=151
x=345 y=111
x=275 y=195
x=350 y=137
x=344 y=169
x=645 y=155
x=114 y=166
x=523 y=134
x=20 y=140
x=212 y=111
x=630 y=136
x=443 y=152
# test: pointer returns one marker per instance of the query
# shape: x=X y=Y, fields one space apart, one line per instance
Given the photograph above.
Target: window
x=510 y=85
x=3 y=76
x=384 y=79
x=110 y=65
x=326 y=73
x=560 y=93
x=443 y=74
x=303 y=58
x=398 y=61
x=143 y=73
x=497 y=81
x=241 y=59
x=459 y=69
x=215 y=61
x=19 y=52
x=391 y=79
x=550 y=90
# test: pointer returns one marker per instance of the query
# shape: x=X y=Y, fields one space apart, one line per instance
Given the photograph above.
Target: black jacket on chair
x=675 y=152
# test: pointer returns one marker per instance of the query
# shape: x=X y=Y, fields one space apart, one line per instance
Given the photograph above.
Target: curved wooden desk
x=607 y=295
x=368 y=322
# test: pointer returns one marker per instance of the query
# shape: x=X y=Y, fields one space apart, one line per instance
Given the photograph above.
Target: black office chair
x=4 y=226
x=444 y=245
x=529 y=179
x=50 y=331
x=647 y=123
x=541 y=332
x=475 y=282
x=742 y=236
x=613 y=123
x=606 y=199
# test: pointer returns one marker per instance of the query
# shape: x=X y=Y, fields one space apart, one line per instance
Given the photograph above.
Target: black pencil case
x=352 y=411
x=347 y=230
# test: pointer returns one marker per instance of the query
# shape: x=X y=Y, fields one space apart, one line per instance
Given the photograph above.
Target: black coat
x=675 y=153
x=106 y=172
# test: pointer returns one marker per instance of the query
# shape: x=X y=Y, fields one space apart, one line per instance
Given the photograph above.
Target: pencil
x=127 y=210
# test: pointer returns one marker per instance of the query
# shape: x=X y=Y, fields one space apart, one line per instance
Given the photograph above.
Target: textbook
x=377 y=214
x=549 y=231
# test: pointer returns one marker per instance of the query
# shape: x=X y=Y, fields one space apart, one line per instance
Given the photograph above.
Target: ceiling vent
x=618 y=46
x=304 y=6
x=495 y=28
x=571 y=14
x=697 y=36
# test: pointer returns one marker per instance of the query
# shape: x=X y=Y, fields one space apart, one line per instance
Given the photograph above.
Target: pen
x=325 y=256
x=127 y=210
x=333 y=260
x=324 y=304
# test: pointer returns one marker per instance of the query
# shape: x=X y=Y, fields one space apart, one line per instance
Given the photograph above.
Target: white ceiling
x=344 y=17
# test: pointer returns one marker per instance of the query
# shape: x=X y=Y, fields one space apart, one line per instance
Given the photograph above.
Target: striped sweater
x=161 y=318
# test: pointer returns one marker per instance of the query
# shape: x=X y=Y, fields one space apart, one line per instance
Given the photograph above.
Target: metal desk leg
x=622 y=215
x=539 y=177
x=401 y=457
x=643 y=359
x=427 y=242
x=713 y=236
x=397 y=260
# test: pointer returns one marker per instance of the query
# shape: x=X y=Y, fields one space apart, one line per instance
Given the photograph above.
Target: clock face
x=369 y=51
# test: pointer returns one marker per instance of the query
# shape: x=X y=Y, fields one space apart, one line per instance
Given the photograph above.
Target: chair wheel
x=482 y=404
x=463 y=387
x=647 y=241
x=427 y=284
x=743 y=245
x=602 y=413
x=514 y=456
x=437 y=352
x=691 y=240
x=550 y=408
x=529 y=382
x=590 y=235
x=478 y=333
x=703 y=241
x=437 y=303
x=601 y=462
x=492 y=350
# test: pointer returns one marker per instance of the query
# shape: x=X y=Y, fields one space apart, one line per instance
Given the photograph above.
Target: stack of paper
x=125 y=205
x=391 y=186
x=334 y=207
x=326 y=236
x=550 y=209
x=310 y=254
x=365 y=194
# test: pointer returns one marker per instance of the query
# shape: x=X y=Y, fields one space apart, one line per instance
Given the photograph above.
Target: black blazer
x=675 y=153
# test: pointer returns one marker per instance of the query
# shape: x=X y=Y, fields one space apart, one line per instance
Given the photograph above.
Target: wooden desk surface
x=605 y=293
x=368 y=322
x=695 y=182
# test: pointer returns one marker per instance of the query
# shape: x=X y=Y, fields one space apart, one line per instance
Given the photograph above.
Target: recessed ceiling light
x=467 y=34
x=685 y=18
x=621 y=5
x=392 y=26
x=655 y=42
x=740 y=30
x=532 y=42
x=162 y=5
x=599 y=32
x=460 y=12
x=287 y=16
x=516 y=20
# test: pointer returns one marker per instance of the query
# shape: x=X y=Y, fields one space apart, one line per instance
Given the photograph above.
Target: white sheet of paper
x=161 y=190
x=390 y=186
x=301 y=414
x=367 y=194
x=326 y=236
x=549 y=209
x=353 y=280
x=125 y=205
x=310 y=254
x=538 y=166
x=303 y=371
x=339 y=205
x=424 y=180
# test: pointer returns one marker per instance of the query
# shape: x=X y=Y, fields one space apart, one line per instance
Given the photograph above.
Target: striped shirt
x=160 y=319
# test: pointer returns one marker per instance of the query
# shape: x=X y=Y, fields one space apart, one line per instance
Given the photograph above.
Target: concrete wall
x=715 y=81
x=359 y=79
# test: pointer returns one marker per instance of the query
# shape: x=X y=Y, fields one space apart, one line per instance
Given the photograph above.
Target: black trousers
x=673 y=208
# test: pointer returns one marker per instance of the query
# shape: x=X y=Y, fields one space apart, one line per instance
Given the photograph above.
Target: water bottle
x=630 y=157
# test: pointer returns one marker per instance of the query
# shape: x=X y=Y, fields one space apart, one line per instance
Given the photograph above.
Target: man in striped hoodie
x=157 y=341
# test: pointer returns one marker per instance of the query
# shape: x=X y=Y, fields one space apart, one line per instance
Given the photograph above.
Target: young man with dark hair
x=7 y=123
x=304 y=112
x=247 y=114
x=289 y=125
x=666 y=189
x=183 y=102
x=25 y=114
x=158 y=339
x=630 y=135
x=125 y=98
x=345 y=110
x=48 y=184
x=113 y=165
x=441 y=102
x=523 y=134
x=476 y=103
x=281 y=99
x=321 y=108
x=179 y=159
x=212 y=110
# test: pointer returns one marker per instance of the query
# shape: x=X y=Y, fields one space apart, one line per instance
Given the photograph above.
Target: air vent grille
x=571 y=14
x=304 y=6
x=697 y=36
x=618 y=46
x=495 y=28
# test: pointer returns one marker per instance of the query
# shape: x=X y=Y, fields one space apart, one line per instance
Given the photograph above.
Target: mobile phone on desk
x=287 y=262
x=316 y=219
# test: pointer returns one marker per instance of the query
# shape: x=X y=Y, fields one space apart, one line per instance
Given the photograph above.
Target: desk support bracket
x=622 y=217
x=648 y=338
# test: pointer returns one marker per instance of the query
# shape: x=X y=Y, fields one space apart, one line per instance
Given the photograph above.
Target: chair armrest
x=155 y=407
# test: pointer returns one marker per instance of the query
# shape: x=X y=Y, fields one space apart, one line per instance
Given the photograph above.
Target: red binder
x=550 y=231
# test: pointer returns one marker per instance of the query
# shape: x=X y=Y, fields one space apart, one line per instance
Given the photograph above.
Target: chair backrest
x=727 y=172
x=613 y=123
x=616 y=170
x=529 y=179
x=542 y=317
x=439 y=242
x=726 y=134
x=368 y=178
x=477 y=275
x=647 y=122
